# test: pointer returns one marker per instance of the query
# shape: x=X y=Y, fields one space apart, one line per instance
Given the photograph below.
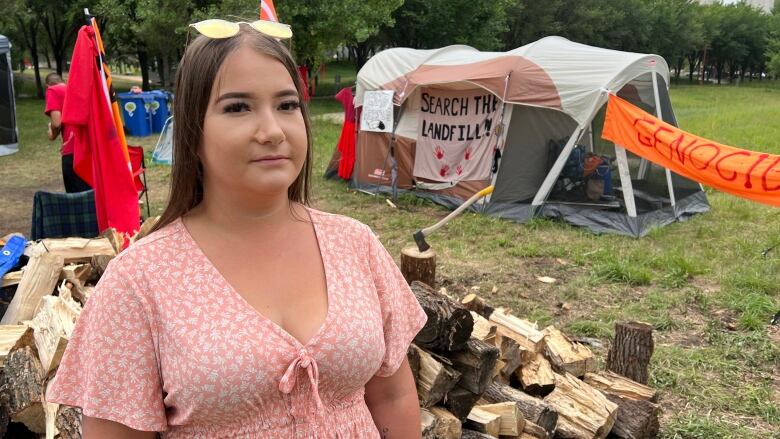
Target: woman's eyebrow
x=286 y=92
x=234 y=95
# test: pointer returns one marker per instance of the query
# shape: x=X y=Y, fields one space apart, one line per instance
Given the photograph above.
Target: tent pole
x=501 y=138
x=625 y=181
x=660 y=115
x=555 y=171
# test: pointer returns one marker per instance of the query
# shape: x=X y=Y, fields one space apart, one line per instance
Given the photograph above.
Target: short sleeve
x=402 y=315
x=110 y=367
x=54 y=100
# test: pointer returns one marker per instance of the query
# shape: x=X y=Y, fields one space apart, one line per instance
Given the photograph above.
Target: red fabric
x=346 y=147
x=98 y=157
x=348 y=102
x=55 y=98
x=267 y=11
x=137 y=162
x=303 y=72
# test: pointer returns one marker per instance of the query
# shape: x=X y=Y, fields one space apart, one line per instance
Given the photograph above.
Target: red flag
x=98 y=156
x=267 y=11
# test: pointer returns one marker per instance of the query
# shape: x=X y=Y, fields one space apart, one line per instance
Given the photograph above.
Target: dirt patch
x=17 y=206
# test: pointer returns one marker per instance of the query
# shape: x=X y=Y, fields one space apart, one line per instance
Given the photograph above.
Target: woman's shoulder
x=153 y=247
x=337 y=221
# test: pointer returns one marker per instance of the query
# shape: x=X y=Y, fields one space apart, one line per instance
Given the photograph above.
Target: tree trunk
x=143 y=60
x=677 y=73
x=631 y=350
x=34 y=53
x=161 y=70
x=48 y=59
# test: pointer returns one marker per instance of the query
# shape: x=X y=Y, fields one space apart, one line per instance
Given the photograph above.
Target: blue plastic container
x=160 y=109
x=135 y=113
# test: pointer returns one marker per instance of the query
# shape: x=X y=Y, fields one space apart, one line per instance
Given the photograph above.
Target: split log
x=419 y=266
x=116 y=239
x=631 y=350
x=484 y=422
x=471 y=434
x=613 y=384
x=512 y=421
x=449 y=325
x=78 y=275
x=99 y=264
x=74 y=250
x=427 y=423
x=531 y=430
x=9 y=336
x=145 y=229
x=512 y=355
x=533 y=409
x=11 y=279
x=475 y=364
x=536 y=377
x=39 y=279
x=567 y=356
x=474 y=303
x=413 y=356
x=459 y=401
x=483 y=329
x=24 y=386
x=583 y=411
x=435 y=379
x=522 y=331
x=447 y=425
x=68 y=422
x=52 y=326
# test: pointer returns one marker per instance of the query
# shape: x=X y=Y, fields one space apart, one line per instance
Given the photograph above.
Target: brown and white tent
x=465 y=119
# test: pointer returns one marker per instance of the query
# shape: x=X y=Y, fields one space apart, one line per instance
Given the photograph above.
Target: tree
x=60 y=21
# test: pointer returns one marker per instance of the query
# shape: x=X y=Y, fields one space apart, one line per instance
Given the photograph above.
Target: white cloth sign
x=454 y=135
x=377 y=112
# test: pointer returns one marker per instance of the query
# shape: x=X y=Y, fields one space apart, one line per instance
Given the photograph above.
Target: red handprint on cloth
x=444 y=171
x=438 y=152
x=459 y=170
x=467 y=154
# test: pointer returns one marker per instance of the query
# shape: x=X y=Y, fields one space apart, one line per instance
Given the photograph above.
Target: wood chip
x=546 y=279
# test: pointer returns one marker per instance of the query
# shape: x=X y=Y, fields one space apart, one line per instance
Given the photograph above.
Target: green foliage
x=622 y=271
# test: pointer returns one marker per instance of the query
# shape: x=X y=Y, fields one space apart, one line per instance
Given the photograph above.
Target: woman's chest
x=216 y=350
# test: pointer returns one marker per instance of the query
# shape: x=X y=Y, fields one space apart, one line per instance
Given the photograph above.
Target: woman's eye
x=236 y=107
x=290 y=105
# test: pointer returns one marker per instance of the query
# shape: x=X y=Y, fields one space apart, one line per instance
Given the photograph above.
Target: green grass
x=703 y=284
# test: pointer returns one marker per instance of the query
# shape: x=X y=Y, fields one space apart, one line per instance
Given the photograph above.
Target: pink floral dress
x=166 y=344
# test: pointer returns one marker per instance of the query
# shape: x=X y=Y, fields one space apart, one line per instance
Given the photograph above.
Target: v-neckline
x=233 y=292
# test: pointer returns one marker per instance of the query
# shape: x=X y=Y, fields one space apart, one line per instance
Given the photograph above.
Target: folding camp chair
x=138 y=164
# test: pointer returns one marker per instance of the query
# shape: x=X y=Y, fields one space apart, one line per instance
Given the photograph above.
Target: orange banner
x=746 y=174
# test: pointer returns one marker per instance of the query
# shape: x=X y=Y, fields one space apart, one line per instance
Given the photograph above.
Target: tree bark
x=419 y=266
x=533 y=409
x=476 y=364
x=143 y=60
x=449 y=325
x=631 y=350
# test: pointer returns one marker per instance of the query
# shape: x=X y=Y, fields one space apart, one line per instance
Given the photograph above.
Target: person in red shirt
x=55 y=98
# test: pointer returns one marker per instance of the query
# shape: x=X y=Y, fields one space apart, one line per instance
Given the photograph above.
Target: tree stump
x=631 y=350
x=417 y=266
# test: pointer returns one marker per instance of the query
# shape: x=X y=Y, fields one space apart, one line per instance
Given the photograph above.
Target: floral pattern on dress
x=166 y=344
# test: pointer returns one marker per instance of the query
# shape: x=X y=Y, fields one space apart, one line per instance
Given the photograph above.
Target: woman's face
x=254 y=137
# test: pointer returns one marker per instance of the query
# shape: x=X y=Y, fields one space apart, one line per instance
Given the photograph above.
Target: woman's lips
x=270 y=160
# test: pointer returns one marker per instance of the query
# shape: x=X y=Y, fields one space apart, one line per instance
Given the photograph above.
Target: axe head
x=419 y=238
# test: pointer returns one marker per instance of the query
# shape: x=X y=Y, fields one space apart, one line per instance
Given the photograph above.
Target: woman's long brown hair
x=195 y=77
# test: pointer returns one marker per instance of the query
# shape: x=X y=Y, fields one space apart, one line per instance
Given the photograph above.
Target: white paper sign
x=377 y=111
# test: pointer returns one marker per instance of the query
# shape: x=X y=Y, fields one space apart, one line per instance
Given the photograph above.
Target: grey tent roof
x=5 y=45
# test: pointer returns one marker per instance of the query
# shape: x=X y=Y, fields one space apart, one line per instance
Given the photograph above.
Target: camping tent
x=9 y=136
x=515 y=120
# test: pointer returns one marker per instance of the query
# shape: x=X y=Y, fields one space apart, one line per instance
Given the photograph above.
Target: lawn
x=704 y=284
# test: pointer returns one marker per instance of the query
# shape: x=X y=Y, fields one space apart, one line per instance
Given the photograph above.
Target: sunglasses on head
x=216 y=28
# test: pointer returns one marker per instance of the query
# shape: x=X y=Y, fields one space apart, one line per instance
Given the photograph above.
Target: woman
x=246 y=313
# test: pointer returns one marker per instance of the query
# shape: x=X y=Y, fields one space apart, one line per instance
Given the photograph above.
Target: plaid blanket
x=61 y=215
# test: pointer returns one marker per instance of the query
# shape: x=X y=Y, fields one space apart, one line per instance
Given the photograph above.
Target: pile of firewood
x=47 y=296
x=484 y=373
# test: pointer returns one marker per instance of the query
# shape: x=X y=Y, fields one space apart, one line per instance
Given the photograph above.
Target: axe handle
x=428 y=230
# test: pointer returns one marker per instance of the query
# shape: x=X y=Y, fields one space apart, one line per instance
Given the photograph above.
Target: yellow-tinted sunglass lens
x=216 y=28
x=273 y=29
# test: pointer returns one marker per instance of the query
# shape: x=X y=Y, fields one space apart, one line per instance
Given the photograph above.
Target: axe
x=419 y=236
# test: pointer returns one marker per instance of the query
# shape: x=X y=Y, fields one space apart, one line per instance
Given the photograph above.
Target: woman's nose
x=268 y=129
